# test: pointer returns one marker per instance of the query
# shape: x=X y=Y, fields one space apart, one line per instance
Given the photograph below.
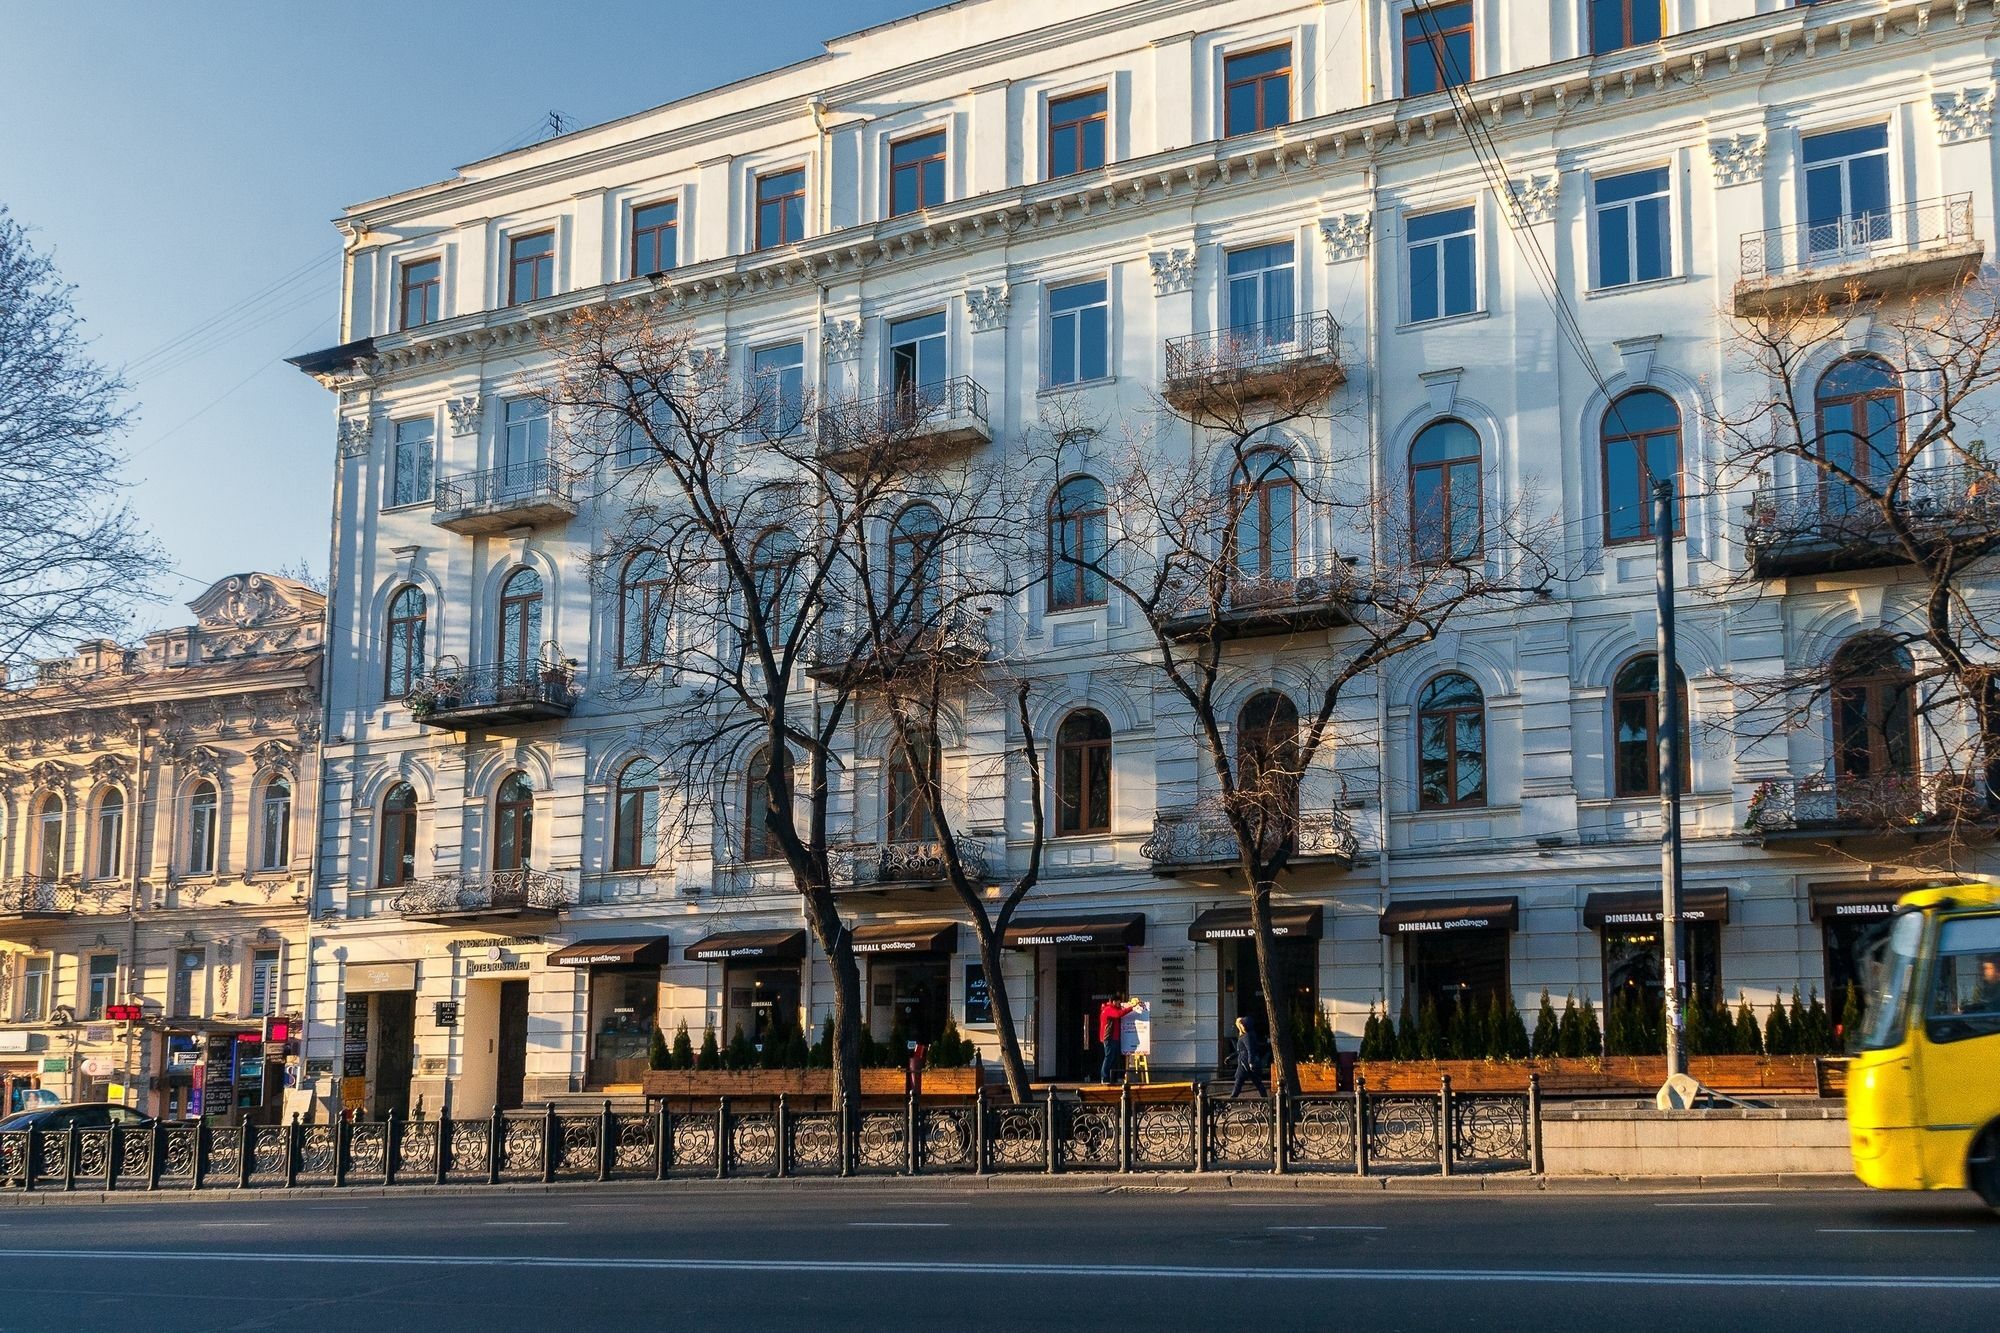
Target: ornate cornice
x=1965 y=114
x=988 y=306
x=1535 y=196
x=1173 y=270
x=1345 y=237
x=1738 y=159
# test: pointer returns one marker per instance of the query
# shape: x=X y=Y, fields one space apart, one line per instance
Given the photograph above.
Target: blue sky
x=182 y=163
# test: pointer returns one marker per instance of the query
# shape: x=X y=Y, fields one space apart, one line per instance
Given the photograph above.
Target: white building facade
x=1450 y=188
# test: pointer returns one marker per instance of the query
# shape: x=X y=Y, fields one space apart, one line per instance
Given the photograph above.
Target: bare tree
x=75 y=559
x=1231 y=528
x=1873 y=455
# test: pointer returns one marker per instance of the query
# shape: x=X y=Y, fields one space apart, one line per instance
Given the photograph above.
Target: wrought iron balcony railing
x=914 y=863
x=1892 y=804
x=456 y=698
x=1928 y=242
x=504 y=893
x=1293 y=593
x=1828 y=524
x=954 y=640
x=1253 y=360
x=1192 y=837
x=517 y=495
x=917 y=416
x=37 y=898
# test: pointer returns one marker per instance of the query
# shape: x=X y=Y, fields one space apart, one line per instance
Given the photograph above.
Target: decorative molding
x=1345 y=237
x=1534 y=197
x=464 y=412
x=1738 y=159
x=708 y=365
x=356 y=435
x=1173 y=270
x=277 y=755
x=1637 y=354
x=1964 y=115
x=842 y=338
x=988 y=306
x=1442 y=388
x=203 y=759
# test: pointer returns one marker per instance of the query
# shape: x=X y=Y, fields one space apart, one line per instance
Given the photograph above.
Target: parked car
x=84 y=1115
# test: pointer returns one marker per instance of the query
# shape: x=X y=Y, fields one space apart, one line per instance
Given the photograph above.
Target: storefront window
x=911 y=998
x=762 y=1001
x=624 y=1008
x=1633 y=966
x=1448 y=967
x=1295 y=972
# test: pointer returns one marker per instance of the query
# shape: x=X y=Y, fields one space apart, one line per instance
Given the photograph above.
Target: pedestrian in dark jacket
x=1248 y=1066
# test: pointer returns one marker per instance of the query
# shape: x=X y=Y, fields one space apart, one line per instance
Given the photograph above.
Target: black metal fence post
x=496 y=1142
x=1277 y=1127
x=441 y=1167
x=1360 y=1125
x=199 y=1166
x=293 y=1133
x=389 y=1148
x=244 y=1157
x=1049 y=1135
x=1200 y=1121
x=155 y=1157
x=1125 y=1125
x=111 y=1159
x=551 y=1142
x=663 y=1142
x=783 y=1125
x=1535 y=1163
x=721 y=1137
x=979 y=1131
x=913 y=1159
x=607 y=1129
x=1444 y=1124
x=28 y=1160
x=71 y=1150
x=340 y=1137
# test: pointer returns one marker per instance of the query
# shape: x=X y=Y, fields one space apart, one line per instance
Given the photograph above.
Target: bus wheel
x=1982 y=1168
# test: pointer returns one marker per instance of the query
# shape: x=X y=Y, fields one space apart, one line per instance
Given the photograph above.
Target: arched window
x=203 y=810
x=404 y=636
x=1451 y=744
x=916 y=566
x=396 y=864
x=514 y=823
x=274 y=825
x=642 y=611
x=773 y=565
x=1445 y=504
x=1642 y=445
x=1083 y=773
x=635 y=834
x=909 y=814
x=1267 y=754
x=1635 y=725
x=49 y=837
x=1874 y=713
x=110 y=833
x=758 y=842
x=1078 y=532
x=1859 y=404
x=520 y=626
x=1266 y=511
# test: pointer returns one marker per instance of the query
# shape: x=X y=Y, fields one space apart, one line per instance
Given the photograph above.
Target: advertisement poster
x=978 y=1000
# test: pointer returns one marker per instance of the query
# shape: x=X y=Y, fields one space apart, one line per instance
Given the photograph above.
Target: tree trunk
x=1011 y=1063
x=1284 y=1058
x=824 y=917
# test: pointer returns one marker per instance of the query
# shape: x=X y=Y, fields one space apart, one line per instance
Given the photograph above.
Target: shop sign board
x=13 y=1043
x=55 y=1064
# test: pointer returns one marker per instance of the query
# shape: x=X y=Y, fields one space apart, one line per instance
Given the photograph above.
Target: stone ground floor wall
x=1769 y=945
x=1785 y=1141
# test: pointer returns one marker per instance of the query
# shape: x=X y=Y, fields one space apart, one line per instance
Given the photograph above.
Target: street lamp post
x=1671 y=765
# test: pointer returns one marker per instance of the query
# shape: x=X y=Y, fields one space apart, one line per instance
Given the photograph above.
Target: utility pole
x=1671 y=764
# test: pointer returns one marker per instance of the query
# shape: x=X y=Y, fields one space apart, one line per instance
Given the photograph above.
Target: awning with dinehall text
x=1418 y=916
x=1642 y=908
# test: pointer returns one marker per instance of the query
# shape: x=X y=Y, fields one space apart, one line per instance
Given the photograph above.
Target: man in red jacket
x=1110 y=1026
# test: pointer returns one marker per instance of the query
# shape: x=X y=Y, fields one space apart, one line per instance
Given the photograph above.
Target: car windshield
x=1888 y=969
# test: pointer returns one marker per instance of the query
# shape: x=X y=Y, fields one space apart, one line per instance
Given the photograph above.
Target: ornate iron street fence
x=1176 y=1128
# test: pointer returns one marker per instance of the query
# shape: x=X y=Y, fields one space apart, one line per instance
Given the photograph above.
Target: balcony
x=917 y=865
x=521 y=495
x=530 y=897
x=956 y=643
x=28 y=901
x=1826 y=526
x=1199 y=838
x=1912 y=247
x=455 y=698
x=904 y=427
x=1316 y=594
x=1295 y=358
x=1837 y=808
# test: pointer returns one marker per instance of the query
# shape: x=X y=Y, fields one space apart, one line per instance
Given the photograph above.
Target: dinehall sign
x=1457 y=923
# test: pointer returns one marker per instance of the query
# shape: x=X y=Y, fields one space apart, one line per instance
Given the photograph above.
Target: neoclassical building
x=160 y=802
x=1520 y=232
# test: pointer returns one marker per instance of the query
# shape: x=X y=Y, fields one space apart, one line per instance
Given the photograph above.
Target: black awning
x=1421 y=916
x=1128 y=929
x=880 y=937
x=1643 y=908
x=1218 y=924
x=640 y=952
x=1849 y=902
x=749 y=946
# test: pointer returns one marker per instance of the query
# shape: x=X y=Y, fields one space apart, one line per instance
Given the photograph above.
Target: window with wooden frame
x=514 y=823
x=274 y=825
x=655 y=237
x=420 y=292
x=759 y=843
x=909 y=814
x=1265 y=539
x=396 y=858
x=1642 y=445
x=1079 y=525
x=1635 y=728
x=916 y=567
x=49 y=821
x=642 y=610
x=1873 y=702
x=403 y=635
x=1451 y=744
x=1446 y=508
x=520 y=644
x=1078 y=123
x=1083 y=774
x=1256 y=90
x=1437 y=48
x=635 y=833
x=1858 y=404
x=917 y=173
x=1617 y=24
x=204 y=812
x=110 y=834
x=1267 y=758
x=781 y=208
x=531 y=267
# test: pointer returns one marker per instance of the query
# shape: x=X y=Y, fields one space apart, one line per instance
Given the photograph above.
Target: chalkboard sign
x=978 y=1000
x=354 y=1047
x=218 y=1082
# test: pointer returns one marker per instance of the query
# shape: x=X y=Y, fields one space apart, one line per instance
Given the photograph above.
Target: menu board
x=218 y=1080
x=978 y=999
x=354 y=1039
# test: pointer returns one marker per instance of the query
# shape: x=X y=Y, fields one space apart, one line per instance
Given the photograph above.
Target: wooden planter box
x=1612 y=1075
x=710 y=1083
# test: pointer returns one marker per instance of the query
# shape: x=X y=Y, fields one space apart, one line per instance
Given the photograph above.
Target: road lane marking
x=1714 y=1203
x=217 y=1226
x=948 y=1268
x=901 y=1226
x=1326 y=1228
x=1896 y=1231
x=524 y=1224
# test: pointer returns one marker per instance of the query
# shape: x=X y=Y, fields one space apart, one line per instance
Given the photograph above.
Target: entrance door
x=1297 y=966
x=395 y=1040
x=1086 y=976
x=511 y=1057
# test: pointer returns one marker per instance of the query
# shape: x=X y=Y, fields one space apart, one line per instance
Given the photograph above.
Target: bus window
x=1890 y=967
x=1965 y=997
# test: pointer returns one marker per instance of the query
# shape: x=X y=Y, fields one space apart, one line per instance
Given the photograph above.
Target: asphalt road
x=931 y=1256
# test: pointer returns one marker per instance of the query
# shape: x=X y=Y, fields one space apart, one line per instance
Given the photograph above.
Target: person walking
x=1110 y=1035
x=1248 y=1066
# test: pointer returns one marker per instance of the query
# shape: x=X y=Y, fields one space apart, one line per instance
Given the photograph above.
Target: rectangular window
x=1847 y=190
x=531 y=267
x=1632 y=228
x=781 y=208
x=421 y=283
x=916 y=174
x=638 y=443
x=1257 y=90
x=1617 y=24
x=524 y=441
x=188 y=964
x=917 y=357
x=103 y=988
x=1443 y=273
x=263 y=983
x=655 y=237
x=1262 y=282
x=778 y=378
x=35 y=989
x=410 y=463
x=1076 y=132
x=1437 y=48
x=1079 y=332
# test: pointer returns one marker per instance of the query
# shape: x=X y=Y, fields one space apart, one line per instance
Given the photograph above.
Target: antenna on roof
x=558 y=124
